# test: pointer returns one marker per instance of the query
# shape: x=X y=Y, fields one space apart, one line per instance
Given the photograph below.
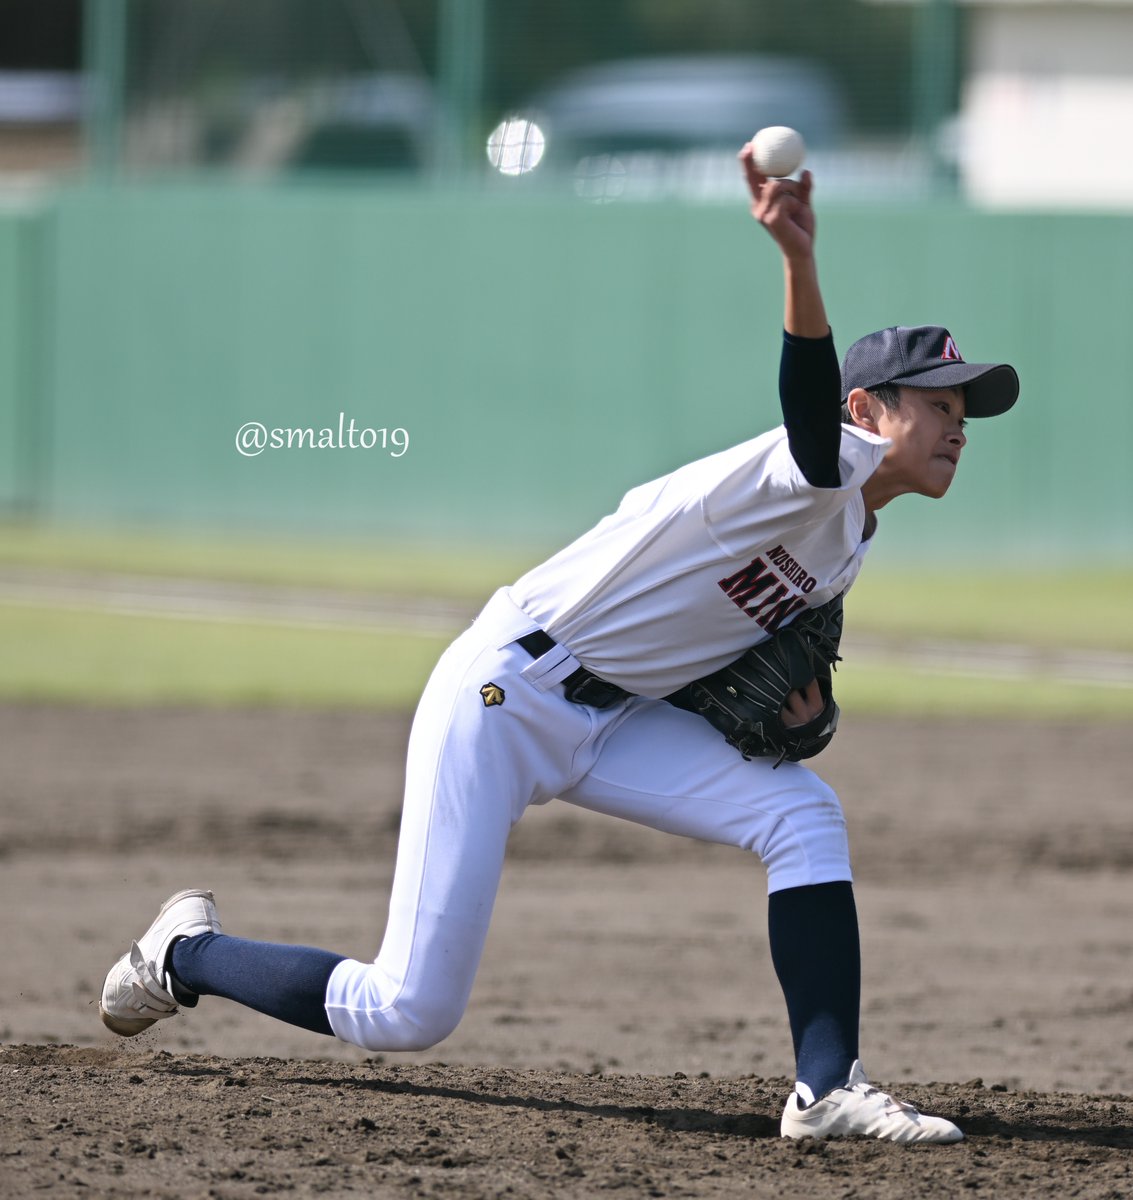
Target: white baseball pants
x=473 y=769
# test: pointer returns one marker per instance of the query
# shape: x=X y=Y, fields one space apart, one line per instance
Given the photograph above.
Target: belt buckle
x=591 y=690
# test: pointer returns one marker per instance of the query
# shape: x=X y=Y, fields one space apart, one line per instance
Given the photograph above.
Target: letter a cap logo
x=951 y=353
x=492 y=694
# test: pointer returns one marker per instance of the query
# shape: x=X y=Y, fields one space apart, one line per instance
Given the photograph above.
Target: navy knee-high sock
x=814 y=946
x=287 y=982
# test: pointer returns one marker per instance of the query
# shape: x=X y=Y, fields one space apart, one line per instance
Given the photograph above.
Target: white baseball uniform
x=690 y=570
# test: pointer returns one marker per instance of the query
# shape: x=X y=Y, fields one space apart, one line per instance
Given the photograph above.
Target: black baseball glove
x=745 y=699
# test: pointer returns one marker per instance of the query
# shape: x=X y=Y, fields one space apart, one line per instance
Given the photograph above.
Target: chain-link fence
x=636 y=98
x=1007 y=104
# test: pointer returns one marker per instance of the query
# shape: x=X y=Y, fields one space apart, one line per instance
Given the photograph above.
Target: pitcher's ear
x=864 y=408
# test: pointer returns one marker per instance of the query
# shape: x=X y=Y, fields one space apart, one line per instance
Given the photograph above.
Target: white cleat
x=137 y=992
x=858 y=1109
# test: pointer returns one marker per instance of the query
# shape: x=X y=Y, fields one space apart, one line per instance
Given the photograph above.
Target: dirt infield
x=626 y=1030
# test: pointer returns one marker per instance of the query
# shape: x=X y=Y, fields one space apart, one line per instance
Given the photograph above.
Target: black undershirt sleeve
x=810 y=393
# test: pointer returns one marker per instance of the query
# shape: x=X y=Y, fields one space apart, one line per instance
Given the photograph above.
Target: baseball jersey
x=695 y=567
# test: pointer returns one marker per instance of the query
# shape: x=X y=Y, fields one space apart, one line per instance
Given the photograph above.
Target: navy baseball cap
x=926 y=356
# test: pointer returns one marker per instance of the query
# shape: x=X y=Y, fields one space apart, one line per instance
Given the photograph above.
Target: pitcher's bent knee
x=362 y=1011
x=808 y=843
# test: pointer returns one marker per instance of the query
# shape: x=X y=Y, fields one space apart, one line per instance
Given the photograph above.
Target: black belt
x=581 y=686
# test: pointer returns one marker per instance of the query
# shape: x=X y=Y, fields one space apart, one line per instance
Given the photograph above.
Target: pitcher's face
x=927 y=432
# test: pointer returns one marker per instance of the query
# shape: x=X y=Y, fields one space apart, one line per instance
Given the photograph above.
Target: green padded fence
x=541 y=358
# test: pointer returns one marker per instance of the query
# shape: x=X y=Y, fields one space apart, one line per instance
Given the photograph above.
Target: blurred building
x=1046 y=103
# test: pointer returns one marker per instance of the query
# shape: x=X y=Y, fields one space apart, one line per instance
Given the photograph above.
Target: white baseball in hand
x=777 y=151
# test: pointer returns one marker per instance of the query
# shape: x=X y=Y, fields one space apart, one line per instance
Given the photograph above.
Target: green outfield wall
x=23 y=274
x=541 y=356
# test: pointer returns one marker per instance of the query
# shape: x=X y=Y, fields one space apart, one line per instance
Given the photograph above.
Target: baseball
x=778 y=150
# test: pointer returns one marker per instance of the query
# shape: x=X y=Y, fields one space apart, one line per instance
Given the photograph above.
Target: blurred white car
x=670 y=127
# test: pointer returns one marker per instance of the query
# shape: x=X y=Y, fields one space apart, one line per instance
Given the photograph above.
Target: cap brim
x=989 y=388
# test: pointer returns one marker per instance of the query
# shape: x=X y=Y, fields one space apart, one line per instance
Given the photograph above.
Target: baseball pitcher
x=672 y=666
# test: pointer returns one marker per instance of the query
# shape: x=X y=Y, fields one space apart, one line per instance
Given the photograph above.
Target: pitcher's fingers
x=802 y=705
x=794 y=709
x=812 y=695
x=755 y=179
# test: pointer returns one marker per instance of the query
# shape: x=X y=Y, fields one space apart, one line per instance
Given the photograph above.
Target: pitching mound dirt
x=626 y=1030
